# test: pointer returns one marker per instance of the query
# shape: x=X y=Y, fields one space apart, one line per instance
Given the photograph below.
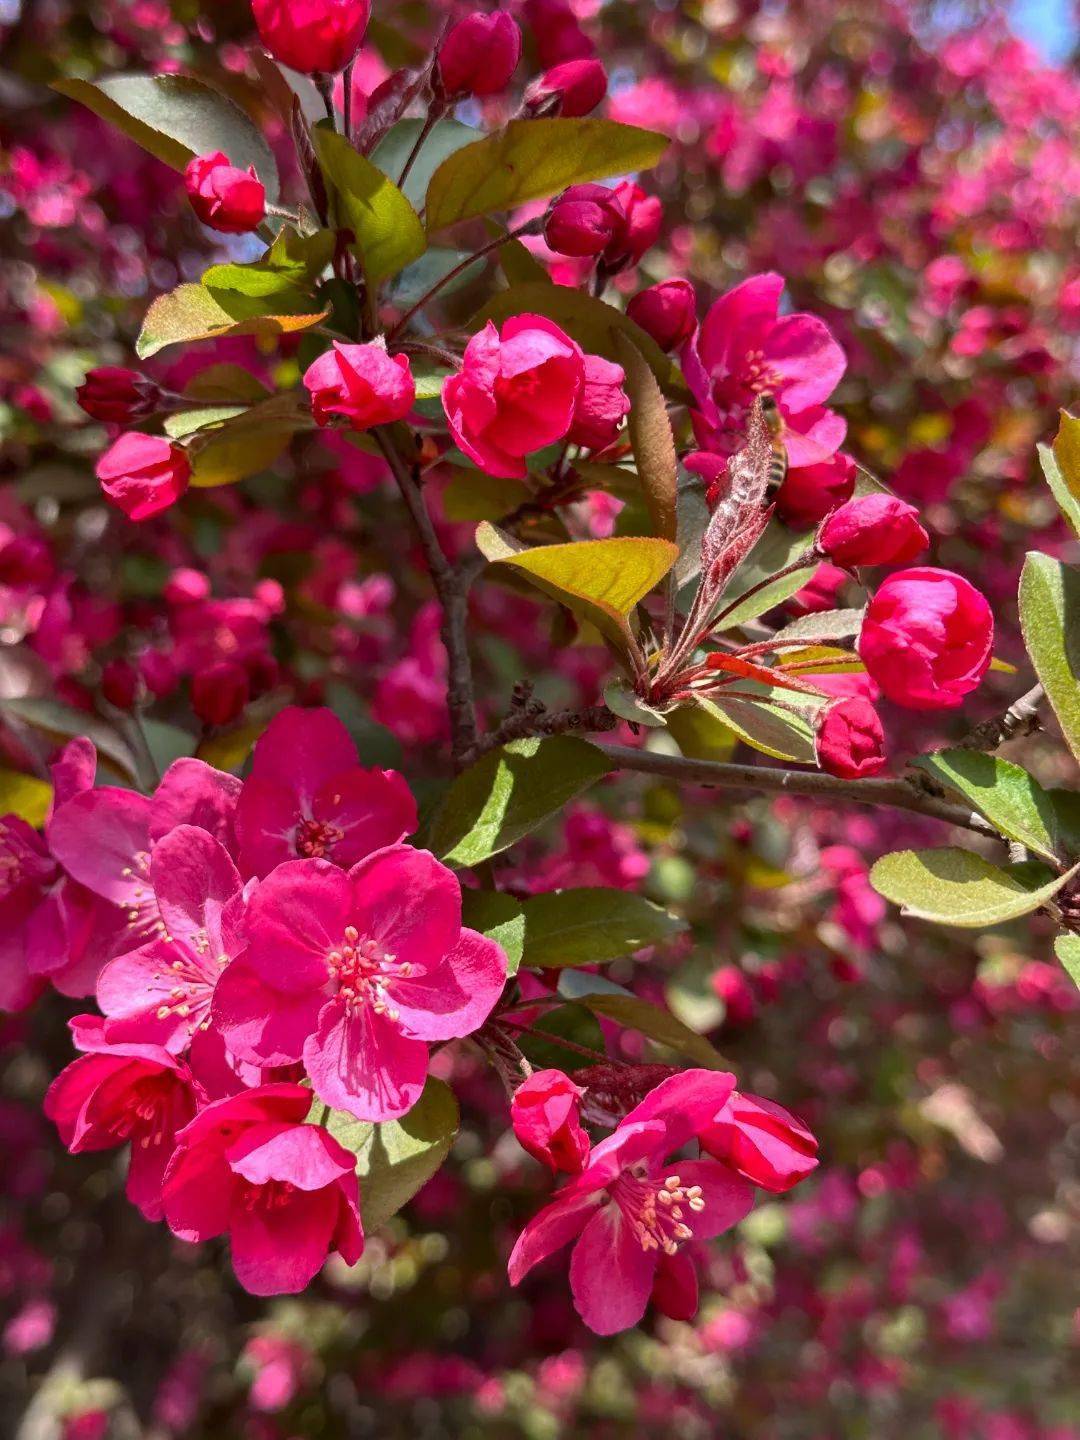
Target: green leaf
x=175 y=117
x=509 y=792
x=822 y=625
x=591 y=926
x=231 y=384
x=394 y=1158
x=25 y=796
x=447 y=137
x=63 y=722
x=1050 y=619
x=248 y=443
x=291 y=266
x=1067 y=950
x=422 y=275
x=958 y=887
x=651 y=438
x=1067 y=451
x=532 y=159
x=777 y=548
x=599 y=580
x=701 y=734
x=1010 y=798
x=571 y=1022
x=388 y=232
x=190 y=312
x=593 y=323
x=622 y=701
x=501 y=918
x=474 y=495
x=764 y=727
x=1066 y=495
x=657 y=1024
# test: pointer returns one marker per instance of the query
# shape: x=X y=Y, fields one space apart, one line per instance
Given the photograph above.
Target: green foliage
x=447 y=137
x=175 y=117
x=387 y=230
x=958 y=887
x=777 y=548
x=248 y=443
x=650 y=1020
x=394 y=1158
x=1066 y=495
x=290 y=267
x=1067 y=950
x=651 y=438
x=591 y=925
x=62 y=723
x=509 y=792
x=764 y=726
x=1050 y=618
x=191 y=312
x=1011 y=799
x=501 y=918
x=25 y=796
x=532 y=159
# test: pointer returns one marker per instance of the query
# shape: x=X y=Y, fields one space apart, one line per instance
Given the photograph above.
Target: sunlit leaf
x=651 y=438
x=1050 y=619
x=591 y=926
x=958 y=887
x=1011 y=799
x=387 y=229
x=190 y=312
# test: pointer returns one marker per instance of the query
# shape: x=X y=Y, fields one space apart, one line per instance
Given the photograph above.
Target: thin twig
x=444 y=280
x=1021 y=718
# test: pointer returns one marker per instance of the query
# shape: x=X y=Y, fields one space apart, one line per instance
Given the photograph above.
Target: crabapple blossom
x=849 y=740
x=223 y=196
x=872 y=530
x=479 y=54
x=362 y=383
x=118 y=396
x=143 y=474
x=571 y=89
x=667 y=312
x=545 y=1114
x=765 y=1143
x=312 y=35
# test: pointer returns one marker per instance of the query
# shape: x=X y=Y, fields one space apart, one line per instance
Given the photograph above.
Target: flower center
x=658 y=1214
x=144 y=1115
x=193 y=978
x=315 y=837
x=363 y=971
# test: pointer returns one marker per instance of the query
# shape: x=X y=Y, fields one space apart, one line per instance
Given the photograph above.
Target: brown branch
x=1021 y=718
x=452 y=591
x=895 y=794
x=528 y=716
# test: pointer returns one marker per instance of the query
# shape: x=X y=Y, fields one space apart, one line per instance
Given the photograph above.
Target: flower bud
x=733 y=988
x=809 y=492
x=158 y=673
x=143 y=474
x=224 y=197
x=602 y=404
x=362 y=383
x=545 y=1113
x=872 y=530
x=926 y=638
x=850 y=741
x=185 y=586
x=643 y=216
x=571 y=90
x=667 y=312
x=761 y=1141
x=117 y=396
x=584 y=221
x=121 y=685
x=220 y=692
x=479 y=55
x=312 y=35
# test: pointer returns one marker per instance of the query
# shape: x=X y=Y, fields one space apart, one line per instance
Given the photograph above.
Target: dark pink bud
x=223 y=197
x=158 y=673
x=733 y=988
x=186 y=585
x=584 y=221
x=143 y=474
x=573 y=89
x=545 y=1113
x=555 y=28
x=361 y=383
x=872 y=530
x=117 y=396
x=312 y=35
x=762 y=1141
x=479 y=55
x=667 y=312
x=219 y=693
x=643 y=216
x=809 y=492
x=120 y=684
x=850 y=740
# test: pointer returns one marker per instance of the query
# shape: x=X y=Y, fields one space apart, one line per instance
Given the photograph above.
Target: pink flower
x=284 y=1192
x=361 y=382
x=223 y=196
x=602 y=405
x=667 y=312
x=312 y=35
x=220 y=692
x=616 y=226
x=809 y=492
x=872 y=530
x=850 y=741
x=765 y=1143
x=143 y=474
x=572 y=89
x=121 y=1093
x=161 y=993
x=479 y=54
x=926 y=638
x=117 y=396
x=632 y=1211
x=354 y=972
x=745 y=347
x=307 y=797
x=516 y=392
x=546 y=1116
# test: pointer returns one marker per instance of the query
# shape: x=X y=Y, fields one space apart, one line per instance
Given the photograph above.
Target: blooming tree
x=472 y=501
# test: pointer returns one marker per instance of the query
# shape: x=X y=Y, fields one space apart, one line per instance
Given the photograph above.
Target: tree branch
x=528 y=716
x=895 y=794
x=452 y=591
x=1021 y=718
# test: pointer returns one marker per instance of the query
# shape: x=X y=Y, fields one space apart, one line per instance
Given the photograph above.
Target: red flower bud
x=762 y=1141
x=143 y=474
x=117 y=396
x=555 y=28
x=809 y=492
x=121 y=685
x=667 y=312
x=733 y=988
x=479 y=55
x=224 y=197
x=312 y=35
x=584 y=221
x=571 y=90
x=220 y=692
x=850 y=741
x=545 y=1113
x=361 y=382
x=158 y=673
x=872 y=530
x=602 y=404
x=643 y=216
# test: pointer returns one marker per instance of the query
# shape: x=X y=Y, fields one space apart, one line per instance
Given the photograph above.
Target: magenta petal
x=296 y=917
x=146 y=1173
x=728 y=1197
x=197 y=1193
x=408 y=902
x=372 y=809
x=267 y=818
x=813 y=436
x=550 y=1229
x=303 y=749
x=358 y=1061
x=194 y=879
x=279 y=1251
x=135 y=991
x=685 y=1104
x=802 y=350
x=611 y=1276
x=747 y=309
x=675 y=1289
x=456 y=996
x=102 y=838
x=259 y=1024
x=307 y=1156
x=73 y=771
x=194 y=793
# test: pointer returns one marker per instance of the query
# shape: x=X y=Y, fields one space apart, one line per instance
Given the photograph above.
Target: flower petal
x=457 y=995
x=611 y=1276
x=358 y=1061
